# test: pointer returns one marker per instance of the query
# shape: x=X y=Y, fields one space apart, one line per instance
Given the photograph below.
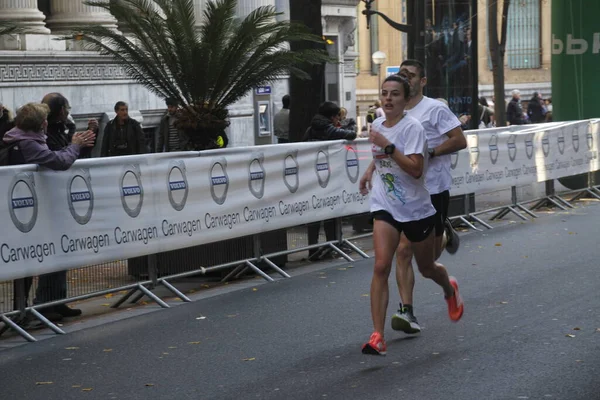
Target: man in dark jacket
x=123 y=136
x=535 y=110
x=514 y=110
x=324 y=126
x=170 y=138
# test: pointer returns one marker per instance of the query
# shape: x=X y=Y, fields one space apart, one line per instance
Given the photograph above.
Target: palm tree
x=206 y=68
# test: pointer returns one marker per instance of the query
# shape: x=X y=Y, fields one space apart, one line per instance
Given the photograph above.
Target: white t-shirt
x=437 y=120
x=394 y=191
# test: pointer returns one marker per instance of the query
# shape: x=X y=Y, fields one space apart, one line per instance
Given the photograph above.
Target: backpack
x=371 y=115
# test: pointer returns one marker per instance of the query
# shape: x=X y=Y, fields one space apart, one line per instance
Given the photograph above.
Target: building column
x=247 y=6
x=283 y=6
x=24 y=14
x=68 y=14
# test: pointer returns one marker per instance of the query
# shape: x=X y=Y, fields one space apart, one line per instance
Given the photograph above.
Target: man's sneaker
x=455 y=303
x=376 y=345
x=452 y=238
x=406 y=322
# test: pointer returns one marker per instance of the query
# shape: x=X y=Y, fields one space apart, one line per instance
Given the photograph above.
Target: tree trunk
x=306 y=95
x=497 y=50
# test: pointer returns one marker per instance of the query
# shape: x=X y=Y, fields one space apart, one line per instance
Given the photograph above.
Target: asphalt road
x=526 y=287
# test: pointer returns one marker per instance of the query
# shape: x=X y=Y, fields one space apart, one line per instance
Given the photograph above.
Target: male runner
x=444 y=136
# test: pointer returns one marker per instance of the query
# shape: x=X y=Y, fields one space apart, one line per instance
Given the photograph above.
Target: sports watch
x=389 y=149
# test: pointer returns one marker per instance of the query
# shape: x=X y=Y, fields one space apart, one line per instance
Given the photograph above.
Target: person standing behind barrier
x=324 y=127
x=514 y=110
x=401 y=204
x=6 y=120
x=281 y=121
x=123 y=136
x=30 y=147
x=536 y=109
x=170 y=138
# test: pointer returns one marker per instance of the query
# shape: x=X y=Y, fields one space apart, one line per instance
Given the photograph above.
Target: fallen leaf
x=165 y=354
x=201 y=317
x=67 y=359
x=87 y=390
x=105 y=305
x=364 y=295
x=107 y=350
x=149 y=384
x=254 y=289
x=232 y=316
x=504 y=302
x=76 y=386
x=250 y=359
x=498 y=244
x=108 y=296
x=525 y=256
x=577 y=328
x=71 y=348
x=578 y=360
x=350 y=266
x=569 y=335
x=435 y=354
x=44 y=383
x=144 y=303
x=193 y=342
x=172 y=347
x=342 y=269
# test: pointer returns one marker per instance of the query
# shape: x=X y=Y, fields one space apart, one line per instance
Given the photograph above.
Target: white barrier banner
x=116 y=208
x=501 y=158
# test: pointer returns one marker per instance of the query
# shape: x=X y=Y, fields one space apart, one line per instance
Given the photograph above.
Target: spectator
x=514 y=110
x=123 y=136
x=6 y=120
x=548 y=102
x=486 y=114
x=535 y=109
x=281 y=121
x=30 y=147
x=170 y=138
x=345 y=122
x=378 y=110
x=323 y=127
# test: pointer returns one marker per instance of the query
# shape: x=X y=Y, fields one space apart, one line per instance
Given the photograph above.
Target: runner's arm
x=456 y=141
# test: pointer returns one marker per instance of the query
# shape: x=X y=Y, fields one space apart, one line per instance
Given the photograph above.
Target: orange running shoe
x=456 y=306
x=376 y=345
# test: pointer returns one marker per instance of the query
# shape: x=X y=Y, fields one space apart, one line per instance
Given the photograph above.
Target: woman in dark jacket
x=6 y=120
x=324 y=125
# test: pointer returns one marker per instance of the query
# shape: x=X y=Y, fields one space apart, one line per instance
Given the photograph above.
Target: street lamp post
x=379 y=58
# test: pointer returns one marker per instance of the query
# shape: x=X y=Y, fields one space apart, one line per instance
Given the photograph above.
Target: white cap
x=514 y=92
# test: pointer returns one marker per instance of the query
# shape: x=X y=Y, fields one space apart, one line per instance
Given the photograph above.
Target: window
x=523 y=48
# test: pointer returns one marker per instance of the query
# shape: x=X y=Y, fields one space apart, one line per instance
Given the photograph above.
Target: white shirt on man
x=395 y=191
x=437 y=120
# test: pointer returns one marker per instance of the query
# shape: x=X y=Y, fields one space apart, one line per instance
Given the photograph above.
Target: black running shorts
x=415 y=231
x=440 y=202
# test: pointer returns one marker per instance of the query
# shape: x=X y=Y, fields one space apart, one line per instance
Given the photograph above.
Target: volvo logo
x=529 y=145
x=575 y=138
x=453 y=160
x=560 y=140
x=493 y=144
x=512 y=147
x=80 y=196
x=352 y=167
x=545 y=144
x=473 y=141
x=23 y=202
x=290 y=171
x=322 y=167
x=219 y=181
x=257 y=176
x=177 y=185
x=590 y=139
x=132 y=191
